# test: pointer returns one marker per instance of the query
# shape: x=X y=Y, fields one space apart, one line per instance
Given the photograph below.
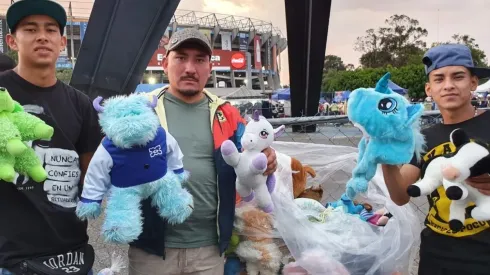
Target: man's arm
x=482 y=183
x=84 y=162
x=397 y=180
x=90 y=134
x=174 y=155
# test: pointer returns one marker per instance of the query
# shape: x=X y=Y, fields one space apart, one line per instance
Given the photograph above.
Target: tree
x=376 y=59
x=350 y=67
x=478 y=55
x=398 y=44
x=333 y=62
x=373 y=53
x=64 y=75
x=411 y=77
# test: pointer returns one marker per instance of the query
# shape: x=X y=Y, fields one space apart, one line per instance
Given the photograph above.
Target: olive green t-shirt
x=190 y=125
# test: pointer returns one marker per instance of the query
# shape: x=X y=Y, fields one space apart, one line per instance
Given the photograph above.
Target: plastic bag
x=334 y=242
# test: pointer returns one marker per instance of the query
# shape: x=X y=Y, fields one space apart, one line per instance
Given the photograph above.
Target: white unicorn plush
x=252 y=163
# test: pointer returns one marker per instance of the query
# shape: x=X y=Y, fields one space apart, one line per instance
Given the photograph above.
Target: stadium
x=237 y=41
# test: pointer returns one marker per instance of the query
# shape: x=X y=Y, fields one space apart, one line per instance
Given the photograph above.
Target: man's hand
x=271 y=161
x=482 y=183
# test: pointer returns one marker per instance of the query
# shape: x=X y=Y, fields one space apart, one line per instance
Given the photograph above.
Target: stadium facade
x=236 y=41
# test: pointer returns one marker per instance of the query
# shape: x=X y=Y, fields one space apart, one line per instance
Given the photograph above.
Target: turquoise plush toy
x=347 y=204
x=391 y=131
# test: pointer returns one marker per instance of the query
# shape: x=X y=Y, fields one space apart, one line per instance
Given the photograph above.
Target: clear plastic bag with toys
x=330 y=240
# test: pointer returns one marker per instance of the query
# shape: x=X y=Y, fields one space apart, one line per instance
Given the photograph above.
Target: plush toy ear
x=279 y=131
x=17 y=107
x=414 y=111
x=382 y=85
x=458 y=137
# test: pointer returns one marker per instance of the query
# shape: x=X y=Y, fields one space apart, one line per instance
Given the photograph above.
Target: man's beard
x=188 y=93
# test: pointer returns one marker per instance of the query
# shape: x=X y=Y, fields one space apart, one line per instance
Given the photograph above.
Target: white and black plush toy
x=471 y=159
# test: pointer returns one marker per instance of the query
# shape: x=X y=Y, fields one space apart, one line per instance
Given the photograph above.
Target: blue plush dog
x=137 y=159
x=391 y=131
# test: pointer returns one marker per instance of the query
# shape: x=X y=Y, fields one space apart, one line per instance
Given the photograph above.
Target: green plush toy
x=16 y=128
x=234 y=241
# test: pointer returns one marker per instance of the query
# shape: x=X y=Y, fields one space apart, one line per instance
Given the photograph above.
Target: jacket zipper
x=215 y=115
x=217 y=214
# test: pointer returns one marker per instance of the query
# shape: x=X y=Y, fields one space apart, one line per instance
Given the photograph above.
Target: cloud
x=228 y=6
x=272 y=11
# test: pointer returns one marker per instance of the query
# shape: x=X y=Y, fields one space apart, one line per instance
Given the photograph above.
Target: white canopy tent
x=483 y=88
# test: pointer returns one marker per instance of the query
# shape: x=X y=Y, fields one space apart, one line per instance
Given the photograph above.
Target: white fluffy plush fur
x=461 y=166
x=250 y=253
x=259 y=135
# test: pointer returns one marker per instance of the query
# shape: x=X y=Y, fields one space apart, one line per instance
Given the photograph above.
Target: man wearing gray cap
x=200 y=122
x=451 y=79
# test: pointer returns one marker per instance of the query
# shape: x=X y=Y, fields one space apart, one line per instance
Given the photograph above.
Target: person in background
x=200 y=122
x=451 y=79
x=40 y=231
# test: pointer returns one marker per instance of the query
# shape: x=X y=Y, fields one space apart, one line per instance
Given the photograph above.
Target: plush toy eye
x=388 y=105
x=264 y=134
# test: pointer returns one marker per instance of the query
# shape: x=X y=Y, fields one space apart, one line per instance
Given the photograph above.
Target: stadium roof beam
x=234 y=34
x=226 y=22
x=217 y=30
x=209 y=20
x=265 y=37
x=251 y=35
x=274 y=40
x=282 y=44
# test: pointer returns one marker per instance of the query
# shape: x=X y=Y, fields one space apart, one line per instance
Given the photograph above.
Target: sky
x=350 y=19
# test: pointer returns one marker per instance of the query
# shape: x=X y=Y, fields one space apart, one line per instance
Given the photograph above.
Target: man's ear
x=427 y=89
x=165 y=64
x=63 y=42
x=474 y=83
x=11 y=42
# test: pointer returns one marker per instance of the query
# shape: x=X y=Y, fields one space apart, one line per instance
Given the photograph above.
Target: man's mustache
x=188 y=78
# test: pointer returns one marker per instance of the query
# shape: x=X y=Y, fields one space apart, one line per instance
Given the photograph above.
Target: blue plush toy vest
x=138 y=165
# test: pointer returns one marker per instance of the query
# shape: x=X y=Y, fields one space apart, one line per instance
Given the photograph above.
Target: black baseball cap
x=452 y=55
x=23 y=8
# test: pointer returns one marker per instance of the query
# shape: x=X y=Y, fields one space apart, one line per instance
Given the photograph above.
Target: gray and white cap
x=189 y=35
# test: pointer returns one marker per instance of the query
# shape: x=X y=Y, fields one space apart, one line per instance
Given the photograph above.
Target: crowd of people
x=40 y=230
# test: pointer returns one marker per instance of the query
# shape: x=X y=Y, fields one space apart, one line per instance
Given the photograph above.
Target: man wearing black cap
x=451 y=79
x=40 y=233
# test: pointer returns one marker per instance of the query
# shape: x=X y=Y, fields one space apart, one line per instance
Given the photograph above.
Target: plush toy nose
x=248 y=141
x=450 y=172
